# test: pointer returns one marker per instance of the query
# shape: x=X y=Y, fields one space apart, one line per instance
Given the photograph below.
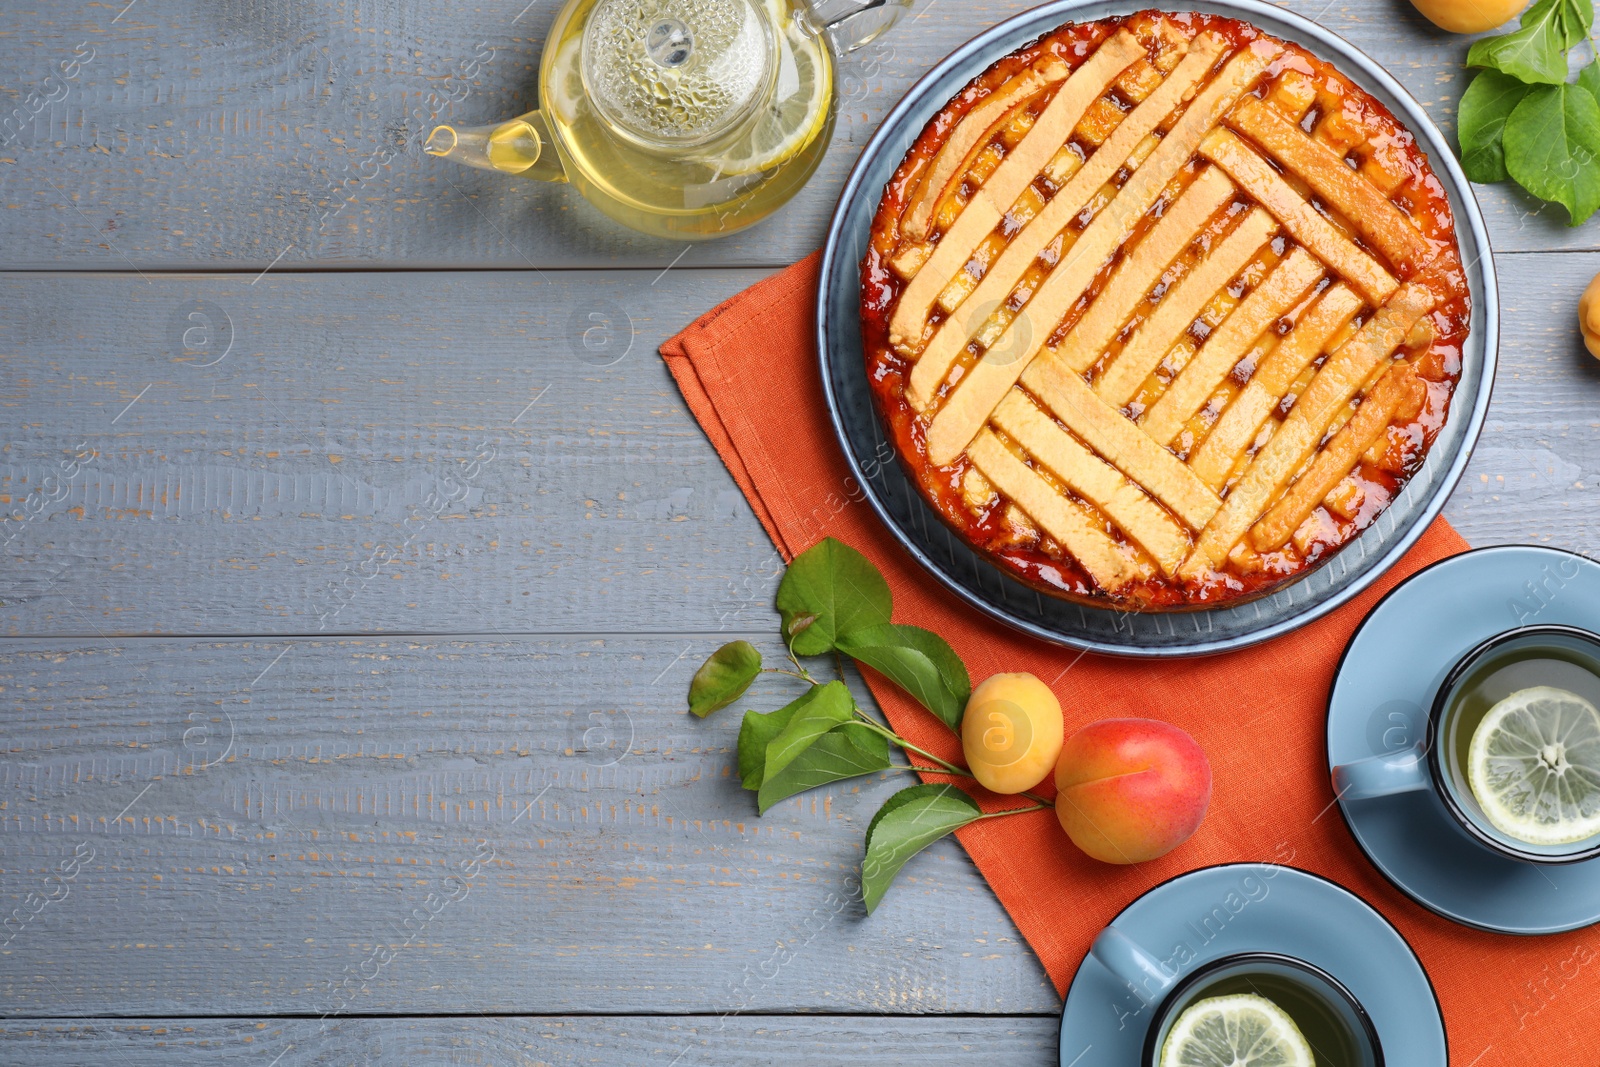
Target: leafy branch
x=1522 y=120
x=832 y=600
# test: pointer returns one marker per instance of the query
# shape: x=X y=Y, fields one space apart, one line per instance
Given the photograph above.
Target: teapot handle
x=849 y=24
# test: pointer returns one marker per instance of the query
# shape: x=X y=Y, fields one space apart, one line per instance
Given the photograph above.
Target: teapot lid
x=678 y=73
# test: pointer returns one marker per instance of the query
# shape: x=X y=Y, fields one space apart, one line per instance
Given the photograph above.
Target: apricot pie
x=1162 y=311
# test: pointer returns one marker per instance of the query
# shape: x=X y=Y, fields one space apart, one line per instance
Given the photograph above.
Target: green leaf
x=1589 y=78
x=909 y=822
x=1537 y=52
x=839 y=588
x=760 y=729
x=843 y=752
x=1552 y=142
x=819 y=711
x=918 y=661
x=723 y=677
x=755 y=734
x=1485 y=106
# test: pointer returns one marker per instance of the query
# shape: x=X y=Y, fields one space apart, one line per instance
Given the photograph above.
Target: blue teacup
x=1333 y=1022
x=1434 y=765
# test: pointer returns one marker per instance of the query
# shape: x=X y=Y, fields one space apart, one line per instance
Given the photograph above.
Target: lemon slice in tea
x=1242 y=1030
x=567 y=94
x=799 y=107
x=1534 y=765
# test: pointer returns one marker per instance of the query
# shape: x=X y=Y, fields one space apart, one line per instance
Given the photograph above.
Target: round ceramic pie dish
x=1144 y=542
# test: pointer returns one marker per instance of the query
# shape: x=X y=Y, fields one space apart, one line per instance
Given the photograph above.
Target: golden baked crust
x=1162 y=311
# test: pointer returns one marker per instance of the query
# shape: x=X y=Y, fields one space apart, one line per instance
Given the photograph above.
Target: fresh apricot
x=1589 y=317
x=1469 y=16
x=1129 y=790
x=1011 y=732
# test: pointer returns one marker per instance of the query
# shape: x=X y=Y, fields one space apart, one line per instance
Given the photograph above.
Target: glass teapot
x=687 y=119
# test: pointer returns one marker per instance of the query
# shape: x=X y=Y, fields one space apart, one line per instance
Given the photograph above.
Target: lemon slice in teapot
x=799 y=107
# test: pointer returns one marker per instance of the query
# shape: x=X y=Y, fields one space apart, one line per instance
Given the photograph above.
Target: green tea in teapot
x=736 y=89
x=681 y=118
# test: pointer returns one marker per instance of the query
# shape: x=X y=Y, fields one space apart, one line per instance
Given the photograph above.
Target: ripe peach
x=1011 y=732
x=1130 y=790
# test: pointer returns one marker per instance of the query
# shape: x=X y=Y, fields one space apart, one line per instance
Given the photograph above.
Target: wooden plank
x=387 y=419
x=615 y=1041
x=337 y=438
x=200 y=137
x=289 y=827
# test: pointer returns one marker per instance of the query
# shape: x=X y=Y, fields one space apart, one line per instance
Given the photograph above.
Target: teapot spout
x=520 y=146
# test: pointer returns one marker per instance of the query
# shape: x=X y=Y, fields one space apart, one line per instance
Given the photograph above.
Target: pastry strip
x=1136 y=275
x=1078 y=531
x=1381 y=224
x=1228 y=343
x=987 y=381
x=1015 y=173
x=1093 y=479
x=1308 y=420
x=1399 y=388
x=1180 y=306
x=1242 y=419
x=975 y=130
x=1105 y=430
x=1002 y=277
x=1134 y=85
x=1256 y=176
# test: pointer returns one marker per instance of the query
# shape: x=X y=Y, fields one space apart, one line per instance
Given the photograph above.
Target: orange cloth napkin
x=748 y=371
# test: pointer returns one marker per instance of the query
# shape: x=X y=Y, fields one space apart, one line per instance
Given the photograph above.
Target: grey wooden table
x=337 y=562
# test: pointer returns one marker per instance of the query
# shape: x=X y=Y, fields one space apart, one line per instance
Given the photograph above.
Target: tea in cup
x=1512 y=748
x=1269 y=1000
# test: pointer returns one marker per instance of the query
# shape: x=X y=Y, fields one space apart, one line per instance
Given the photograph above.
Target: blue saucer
x=1380 y=700
x=1257 y=907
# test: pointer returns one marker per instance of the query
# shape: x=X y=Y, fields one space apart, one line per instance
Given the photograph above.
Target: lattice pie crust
x=1163 y=310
